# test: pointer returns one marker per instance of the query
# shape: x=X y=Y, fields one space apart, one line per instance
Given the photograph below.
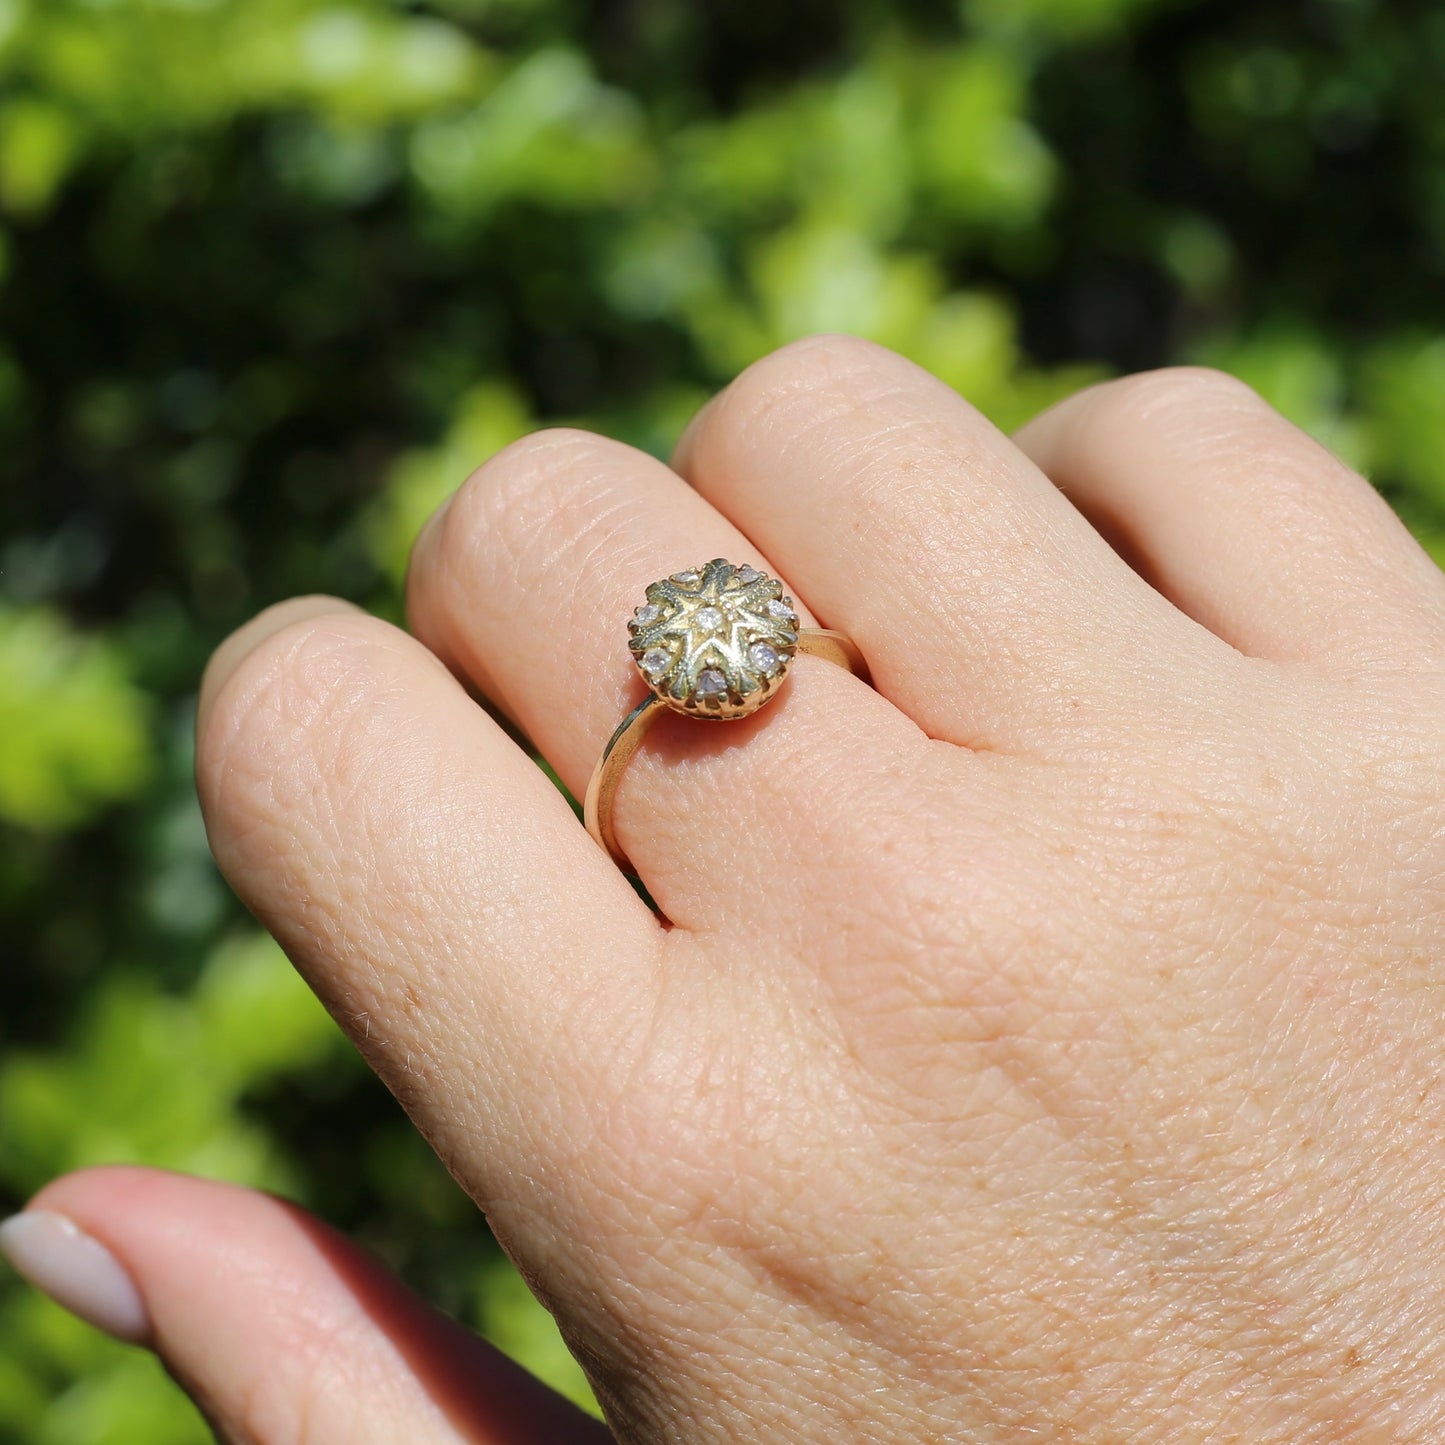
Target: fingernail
x=77 y=1271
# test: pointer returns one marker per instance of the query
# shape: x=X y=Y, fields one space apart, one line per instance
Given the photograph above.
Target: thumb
x=277 y=1327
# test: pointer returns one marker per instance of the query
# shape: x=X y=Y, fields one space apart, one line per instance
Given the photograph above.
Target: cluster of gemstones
x=714 y=641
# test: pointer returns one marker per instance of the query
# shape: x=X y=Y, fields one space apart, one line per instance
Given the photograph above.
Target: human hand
x=1045 y=1045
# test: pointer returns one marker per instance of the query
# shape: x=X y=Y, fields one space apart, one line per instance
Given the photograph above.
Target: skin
x=1042 y=1045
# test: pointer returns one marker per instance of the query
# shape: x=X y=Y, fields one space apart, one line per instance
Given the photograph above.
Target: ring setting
x=714 y=642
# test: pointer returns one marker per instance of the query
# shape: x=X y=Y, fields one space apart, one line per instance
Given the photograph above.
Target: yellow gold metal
x=740 y=692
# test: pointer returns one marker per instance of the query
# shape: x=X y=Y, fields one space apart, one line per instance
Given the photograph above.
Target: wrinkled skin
x=1044 y=1044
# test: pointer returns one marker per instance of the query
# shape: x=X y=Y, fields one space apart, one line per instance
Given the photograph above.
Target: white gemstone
x=782 y=609
x=709 y=618
x=646 y=616
x=687 y=578
x=656 y=661
x=763 y=657
x=710 y=682
x=749 y=574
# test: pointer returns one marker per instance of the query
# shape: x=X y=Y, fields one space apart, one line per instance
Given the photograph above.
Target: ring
x=713 y=642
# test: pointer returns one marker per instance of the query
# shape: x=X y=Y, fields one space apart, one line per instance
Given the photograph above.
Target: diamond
x=687 y=578
x=763 y=657
x=782 y=609
x=710 y=682
x=708 y=618
x=749 y=574
x=649 y=614
x=656 y=661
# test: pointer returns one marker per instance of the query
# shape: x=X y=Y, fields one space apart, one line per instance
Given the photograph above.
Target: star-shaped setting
x=714 y=641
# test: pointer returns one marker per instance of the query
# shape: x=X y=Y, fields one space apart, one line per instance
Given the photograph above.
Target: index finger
x=434 y=888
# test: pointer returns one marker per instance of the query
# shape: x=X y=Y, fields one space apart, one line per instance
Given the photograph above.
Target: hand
x=1046 y=1045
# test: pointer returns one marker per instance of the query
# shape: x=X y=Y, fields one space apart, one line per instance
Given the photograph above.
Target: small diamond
x=710 y=682
x=646 y=616
x=763 y=657
x=687 y=578
x=749 y=574
x=656 y=661
x=782 y=609
x=709 y=618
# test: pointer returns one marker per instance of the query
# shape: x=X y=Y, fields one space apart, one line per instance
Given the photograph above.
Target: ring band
x=713 y=642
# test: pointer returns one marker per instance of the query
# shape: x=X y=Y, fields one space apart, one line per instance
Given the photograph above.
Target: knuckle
x=830 y=353
x=1177 y=394
x=1193 y=411
x=518 y=470
x=847 y=369
x=519 y=492
x=299 y=691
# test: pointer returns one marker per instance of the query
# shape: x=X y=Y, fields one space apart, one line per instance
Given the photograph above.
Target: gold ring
x=714 y=642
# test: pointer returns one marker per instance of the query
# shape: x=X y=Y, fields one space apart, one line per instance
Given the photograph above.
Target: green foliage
x=152 y=1077
x=275 y=275
x=63 y=1384
x=76 y=729
x=1404 y=384
x=488 y=417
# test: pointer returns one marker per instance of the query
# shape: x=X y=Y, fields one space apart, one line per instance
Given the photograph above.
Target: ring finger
x=524 y=582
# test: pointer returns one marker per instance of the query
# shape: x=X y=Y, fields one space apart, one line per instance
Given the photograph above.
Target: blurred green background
x=276 y=274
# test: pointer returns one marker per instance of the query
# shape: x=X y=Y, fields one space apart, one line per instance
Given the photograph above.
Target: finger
x=274 y=1324
x=525 y=582
x=1240 y=518
x=229 y=655
x=988 y=609
x=439 y=895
